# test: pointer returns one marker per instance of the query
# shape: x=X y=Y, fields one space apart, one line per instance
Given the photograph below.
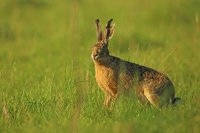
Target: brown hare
x=115 y=75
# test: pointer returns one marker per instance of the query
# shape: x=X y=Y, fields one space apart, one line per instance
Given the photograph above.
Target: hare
x=115 y=75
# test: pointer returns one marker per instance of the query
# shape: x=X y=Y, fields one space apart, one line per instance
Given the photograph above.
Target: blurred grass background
x=47 y=76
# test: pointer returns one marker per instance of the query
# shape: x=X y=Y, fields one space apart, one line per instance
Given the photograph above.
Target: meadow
x=47 y=81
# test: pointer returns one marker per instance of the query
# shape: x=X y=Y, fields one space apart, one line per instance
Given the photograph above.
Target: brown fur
x=115 y=75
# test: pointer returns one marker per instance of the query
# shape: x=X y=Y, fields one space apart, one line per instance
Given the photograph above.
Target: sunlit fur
x=115 y=76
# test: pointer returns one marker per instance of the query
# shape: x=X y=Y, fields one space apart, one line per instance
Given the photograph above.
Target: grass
x=47 y=79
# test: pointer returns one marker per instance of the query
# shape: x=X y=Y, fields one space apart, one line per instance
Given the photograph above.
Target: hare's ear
x=98 y=31
x=109 y=31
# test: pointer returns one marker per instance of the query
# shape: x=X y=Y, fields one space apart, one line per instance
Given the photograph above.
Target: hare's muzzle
x=94 y=56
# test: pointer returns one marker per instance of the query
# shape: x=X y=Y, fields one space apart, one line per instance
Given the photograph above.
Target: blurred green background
x=47 y=79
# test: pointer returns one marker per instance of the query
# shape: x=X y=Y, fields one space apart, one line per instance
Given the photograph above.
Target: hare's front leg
x=110 y=99
x=107 y=99
x=114 y=95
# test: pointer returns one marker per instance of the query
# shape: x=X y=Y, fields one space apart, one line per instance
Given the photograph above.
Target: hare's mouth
x=94 y=56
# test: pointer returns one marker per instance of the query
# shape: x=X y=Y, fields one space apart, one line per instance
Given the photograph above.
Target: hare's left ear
x=98 y=31
x=109 y=31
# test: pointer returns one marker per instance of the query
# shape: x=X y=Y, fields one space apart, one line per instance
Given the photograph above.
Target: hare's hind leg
x=141 y=97
x=160 y=96
x=152 y=97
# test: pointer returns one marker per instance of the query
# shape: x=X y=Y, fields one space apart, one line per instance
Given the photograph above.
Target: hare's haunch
x=115 y=75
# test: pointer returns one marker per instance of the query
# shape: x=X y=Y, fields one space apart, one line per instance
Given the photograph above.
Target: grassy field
x=47 y=76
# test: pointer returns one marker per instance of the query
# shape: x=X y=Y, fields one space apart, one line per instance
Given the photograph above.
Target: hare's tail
x=175 y=100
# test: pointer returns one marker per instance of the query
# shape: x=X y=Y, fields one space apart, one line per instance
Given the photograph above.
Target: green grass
x=47 y=81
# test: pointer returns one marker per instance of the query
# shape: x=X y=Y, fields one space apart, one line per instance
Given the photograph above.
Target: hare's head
x=100 y=49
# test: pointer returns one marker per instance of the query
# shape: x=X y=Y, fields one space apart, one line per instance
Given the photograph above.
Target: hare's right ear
x=109 y=31
x=99 y=32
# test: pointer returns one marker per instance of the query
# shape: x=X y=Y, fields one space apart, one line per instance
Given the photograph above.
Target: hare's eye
x=104 y=47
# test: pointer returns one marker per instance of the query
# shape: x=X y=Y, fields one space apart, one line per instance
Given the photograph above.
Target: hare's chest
x=106 y=77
